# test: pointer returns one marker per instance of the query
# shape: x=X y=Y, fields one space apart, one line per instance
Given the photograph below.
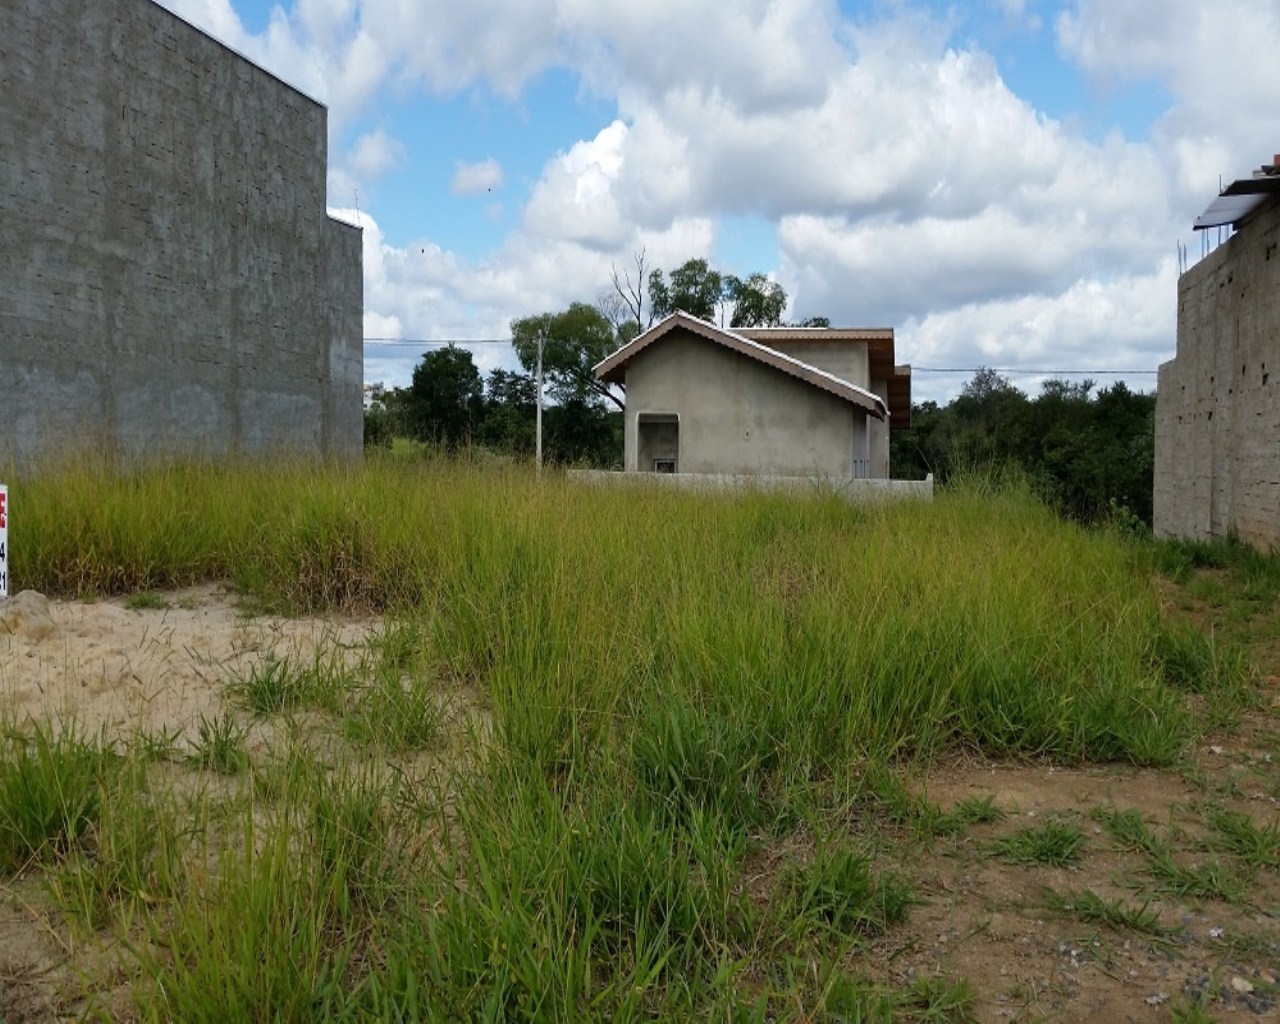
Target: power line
x=1024 y=370
x=437 y=341
x=418 y=342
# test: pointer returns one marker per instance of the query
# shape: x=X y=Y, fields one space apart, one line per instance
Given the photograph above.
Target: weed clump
x=51 y=793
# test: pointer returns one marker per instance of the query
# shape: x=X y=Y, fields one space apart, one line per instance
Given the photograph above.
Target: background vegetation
x=1087 y=453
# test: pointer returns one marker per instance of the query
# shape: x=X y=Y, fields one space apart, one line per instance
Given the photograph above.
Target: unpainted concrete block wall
x=738 y=416
x=1217 y=454
x=169 y=279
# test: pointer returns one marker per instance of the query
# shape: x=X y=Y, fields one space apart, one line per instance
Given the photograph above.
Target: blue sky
x=1004 y=182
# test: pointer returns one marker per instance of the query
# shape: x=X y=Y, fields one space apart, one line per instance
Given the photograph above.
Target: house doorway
x=658 y=442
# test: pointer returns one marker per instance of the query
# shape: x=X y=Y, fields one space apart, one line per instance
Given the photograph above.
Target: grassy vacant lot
x=624 y=755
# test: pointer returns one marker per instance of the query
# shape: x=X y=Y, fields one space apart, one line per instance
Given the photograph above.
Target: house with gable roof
x=775 y=402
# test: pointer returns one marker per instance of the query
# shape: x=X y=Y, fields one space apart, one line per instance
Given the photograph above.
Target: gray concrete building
x=169 y=279
x=1217 y=439
x=761 y=402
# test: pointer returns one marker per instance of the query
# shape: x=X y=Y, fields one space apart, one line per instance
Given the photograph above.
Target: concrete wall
x=848 y=360
x=169 y=280
x=878 y=436
x=738 y=416
x=1217 y=444
x=858 y=492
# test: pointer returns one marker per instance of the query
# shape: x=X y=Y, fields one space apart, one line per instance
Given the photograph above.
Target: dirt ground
x=119 y=669
x=991 y=923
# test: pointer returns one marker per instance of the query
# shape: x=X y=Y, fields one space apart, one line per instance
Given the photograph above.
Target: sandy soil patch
x=107 y=666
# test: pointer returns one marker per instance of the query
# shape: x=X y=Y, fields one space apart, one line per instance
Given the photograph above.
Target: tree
x=582 y=433
x=695 y=289
x=445 y=401
x=630 y=298
x=509 y=412
x=1083 y=454
x=378 y=427
x=989 y=424
x=575 y=340
x=757 y=301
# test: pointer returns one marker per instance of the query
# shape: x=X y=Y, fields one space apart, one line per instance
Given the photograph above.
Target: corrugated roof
x=1238 y=200
x=613 y=367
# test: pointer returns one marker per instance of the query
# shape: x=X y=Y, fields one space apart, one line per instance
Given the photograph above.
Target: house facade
x=760 y=402
x=1217 y=431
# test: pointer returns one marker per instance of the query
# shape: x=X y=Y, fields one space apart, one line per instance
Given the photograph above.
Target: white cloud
x=909 y=184
x=326 y=21
x=757 y=55
x=472 y=179
x=1037 y=236
x=382 y=326
x=451 y=46
x=1125 y=322
x=1216 y=61
x=375 y=154
x=574 y=199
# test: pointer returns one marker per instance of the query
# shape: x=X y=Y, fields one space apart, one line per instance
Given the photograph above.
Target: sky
x=1006 y=183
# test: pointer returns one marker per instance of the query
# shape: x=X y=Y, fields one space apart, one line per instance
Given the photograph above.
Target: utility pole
x=542 y=337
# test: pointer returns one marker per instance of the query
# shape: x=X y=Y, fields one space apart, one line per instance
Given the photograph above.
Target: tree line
x=1088 y=454
x=450 y=405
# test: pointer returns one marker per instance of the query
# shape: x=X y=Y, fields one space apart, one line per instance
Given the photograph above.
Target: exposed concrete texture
x=856 y=491
x=169 y=280
x=848 y=362
x=878 y=437
x=1217 y=443
x=738 y=416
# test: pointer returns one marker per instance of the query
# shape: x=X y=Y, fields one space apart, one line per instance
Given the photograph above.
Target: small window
x=664 y=465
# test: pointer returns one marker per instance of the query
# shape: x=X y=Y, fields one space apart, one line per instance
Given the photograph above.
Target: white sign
x=4 y=541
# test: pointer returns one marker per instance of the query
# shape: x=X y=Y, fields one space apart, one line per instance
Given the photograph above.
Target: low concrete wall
x=854 y=491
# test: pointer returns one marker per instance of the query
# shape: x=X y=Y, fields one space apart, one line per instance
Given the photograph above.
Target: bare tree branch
x=632 y=292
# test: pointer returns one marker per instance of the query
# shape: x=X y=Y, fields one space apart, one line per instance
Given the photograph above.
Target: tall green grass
x=817 y=631
x=668 y=685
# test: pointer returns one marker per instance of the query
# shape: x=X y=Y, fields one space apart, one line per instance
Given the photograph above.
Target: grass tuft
x=50 y=793
x=1257 y=845
x=1087 y=906
x=941 y=1001
x=1053 y=844
x=144 y=600
x=838 y=890
x=220 y=744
